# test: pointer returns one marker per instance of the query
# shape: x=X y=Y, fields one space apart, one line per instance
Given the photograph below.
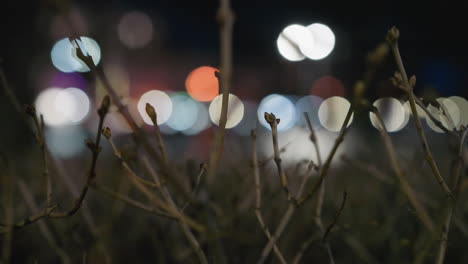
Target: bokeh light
x=65 y=142
x=407 y=115
x=451 y=108
x=119 y=80
x=184 y=113
x=62 y=106
x=281 y=107
x=332 y=113
x=463 y=107
x=160 y=101
x=393 y=114
x=116 y=121
x=202 y=122
x=324 y=42
x=327 y=86
x=73 y=103
x=45 y=105
x=202 y=84
x=135 y=30
x=419 y=110
x=235 y=110
x=309 y=104
x=250 y=119
x=64 y=57
x=290 y=40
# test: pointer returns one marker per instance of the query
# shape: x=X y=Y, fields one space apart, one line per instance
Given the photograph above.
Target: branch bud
x=105 y=104
x=412 y=81
x=106 y=131
x=203 y=166
x=393 y=35
x=90 y=144
x=151 y=113
x=271 y=119
x=30 y=110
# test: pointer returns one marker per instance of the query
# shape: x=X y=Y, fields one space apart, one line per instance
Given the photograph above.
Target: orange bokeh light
x=202 y=84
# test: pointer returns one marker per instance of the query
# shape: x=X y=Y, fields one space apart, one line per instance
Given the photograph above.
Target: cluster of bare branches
x=160 y=191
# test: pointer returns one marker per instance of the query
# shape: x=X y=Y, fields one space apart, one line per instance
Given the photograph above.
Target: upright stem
x=405 y=186
x=392 y=37
x=326 y=165
x=258 y=198
x=225 y=18
x=451 y=204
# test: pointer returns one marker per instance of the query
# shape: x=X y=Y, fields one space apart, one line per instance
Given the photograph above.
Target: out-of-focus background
x=289 y=57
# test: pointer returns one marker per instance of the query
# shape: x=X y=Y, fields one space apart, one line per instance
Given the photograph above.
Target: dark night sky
x=433 y=33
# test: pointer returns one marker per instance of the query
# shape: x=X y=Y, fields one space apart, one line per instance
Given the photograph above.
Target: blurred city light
x=62 y=106
x=250 y=119
x=45 y=105
x=73 y=103
x=281 y=107
x=323 y=44
x=184 y=113
x=332 y=113
x=309 y=104
x=202 y=84
x=64 y=57
x=135 y=30
x=290 y=40
x=116 y=121
x=392 y=112
x=449 y=121
x=65 y=142
x=419 y=110
x=462 y=105
x=160 y=101
x=202 y=122
x=235 y=110
x=327 y=86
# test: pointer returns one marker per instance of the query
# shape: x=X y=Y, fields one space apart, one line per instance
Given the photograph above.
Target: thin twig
x=168 y=197
x=202 y=171
x=118 y=154
x=130 y=201
x=95 y=149
x=297 y=258
x=9 y=93
x=40 y=140
x=451 y=204
x=258 y=197
x=43 y=228
x=150 y=195
x=139 y=134
x=225 y=17
x=321 y=194
x=287 y=215
x=273 y=122
x=326 y=165
x=392 y=38
x=335 y=219
x=405 y=186
x=49 y=212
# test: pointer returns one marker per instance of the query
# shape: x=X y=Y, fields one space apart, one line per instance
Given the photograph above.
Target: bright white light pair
x=61 y=107
x=297 y=42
